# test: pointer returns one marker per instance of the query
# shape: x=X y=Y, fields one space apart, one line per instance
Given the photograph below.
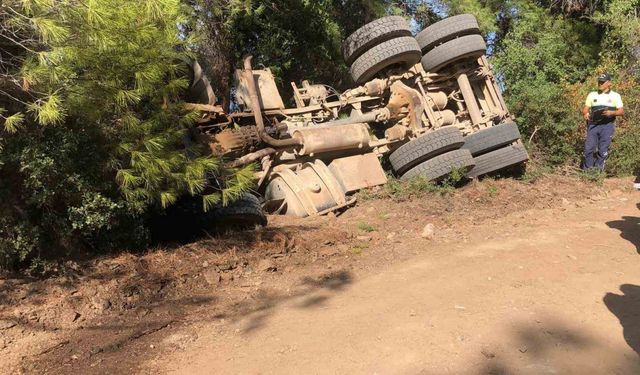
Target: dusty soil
x=516 y=277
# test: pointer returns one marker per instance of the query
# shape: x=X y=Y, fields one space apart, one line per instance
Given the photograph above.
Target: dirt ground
x=511 y=277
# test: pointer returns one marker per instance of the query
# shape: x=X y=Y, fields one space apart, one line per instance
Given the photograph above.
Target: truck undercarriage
x=425 y=105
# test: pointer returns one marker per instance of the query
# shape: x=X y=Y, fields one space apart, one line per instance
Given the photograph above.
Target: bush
x=94 y=130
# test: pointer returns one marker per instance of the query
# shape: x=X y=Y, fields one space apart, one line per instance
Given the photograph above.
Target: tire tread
x=373 y=33
x=427 y=146
x=492 y=138
x=499 y=159
x=468 y=46
x=403 y=50
x=446 y=30
x=438 y=167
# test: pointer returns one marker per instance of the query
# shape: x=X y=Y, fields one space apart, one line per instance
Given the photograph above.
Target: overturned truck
x=422 y=106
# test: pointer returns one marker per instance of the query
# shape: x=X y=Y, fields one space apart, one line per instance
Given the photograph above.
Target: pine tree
x=107 y=75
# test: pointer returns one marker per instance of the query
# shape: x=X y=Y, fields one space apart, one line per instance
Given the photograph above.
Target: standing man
x=600 y=110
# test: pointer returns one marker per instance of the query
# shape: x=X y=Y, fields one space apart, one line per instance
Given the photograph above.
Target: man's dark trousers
x=598 y=137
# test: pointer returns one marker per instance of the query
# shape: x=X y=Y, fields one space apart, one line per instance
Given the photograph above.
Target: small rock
x=487 y=353
x=74 y=316
x=152 y=346
x=391 y=235
x=429 y=231
x=523 y=349
x=205 y=264
x=331 y=215
x=458 y=307
x=565 y=202
x=74 y=357
x=212 y=277
x=363 y=238
x=572 y=257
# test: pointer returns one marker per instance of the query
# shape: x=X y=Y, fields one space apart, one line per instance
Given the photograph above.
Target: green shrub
x=93 y=136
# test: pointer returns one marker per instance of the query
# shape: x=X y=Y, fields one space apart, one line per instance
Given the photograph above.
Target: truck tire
x=469 y=46
x=498 y=159
x=373 y=34
x=492 y=138
x=425 y=147
x=402 y=51
x=246 y=212
x=446 y=30
x=186 y=220
x=439 y=167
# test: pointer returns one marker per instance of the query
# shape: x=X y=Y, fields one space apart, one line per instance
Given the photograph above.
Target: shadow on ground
x=119 y=341
x=101 y=315
x=629 y=228
x=626 y=307
x=310 y=293
x=551 y=346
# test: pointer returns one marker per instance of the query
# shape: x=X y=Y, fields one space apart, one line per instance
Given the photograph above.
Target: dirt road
x=542 y=292
x=518 y=278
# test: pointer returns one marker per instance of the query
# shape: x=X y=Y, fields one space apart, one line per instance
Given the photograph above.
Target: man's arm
x=618 y=112
x=617 y=102
x=586 y=112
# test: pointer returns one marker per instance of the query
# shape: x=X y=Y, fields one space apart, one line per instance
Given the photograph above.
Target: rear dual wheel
x=380 y=46
x=425 y=147
x=372 y=34
x=491 y=138
x=439 y=167
x=449 y=41
x=494 y=149
x=462 y=48
x=499 y=159
x=402 y=53
x=446 y=30
x=433 y=155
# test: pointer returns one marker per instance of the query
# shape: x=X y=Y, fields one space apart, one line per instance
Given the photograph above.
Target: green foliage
x=454 y=178
x=622 y=23
x=492 y=190
x=592 y=175
x=624 y=158
x=402 y=190
x=547 y=58
x=359 y=249
x=537 y=62
x=483 y=10
x=297 y=39
x=95 y=134
x=366 y=227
